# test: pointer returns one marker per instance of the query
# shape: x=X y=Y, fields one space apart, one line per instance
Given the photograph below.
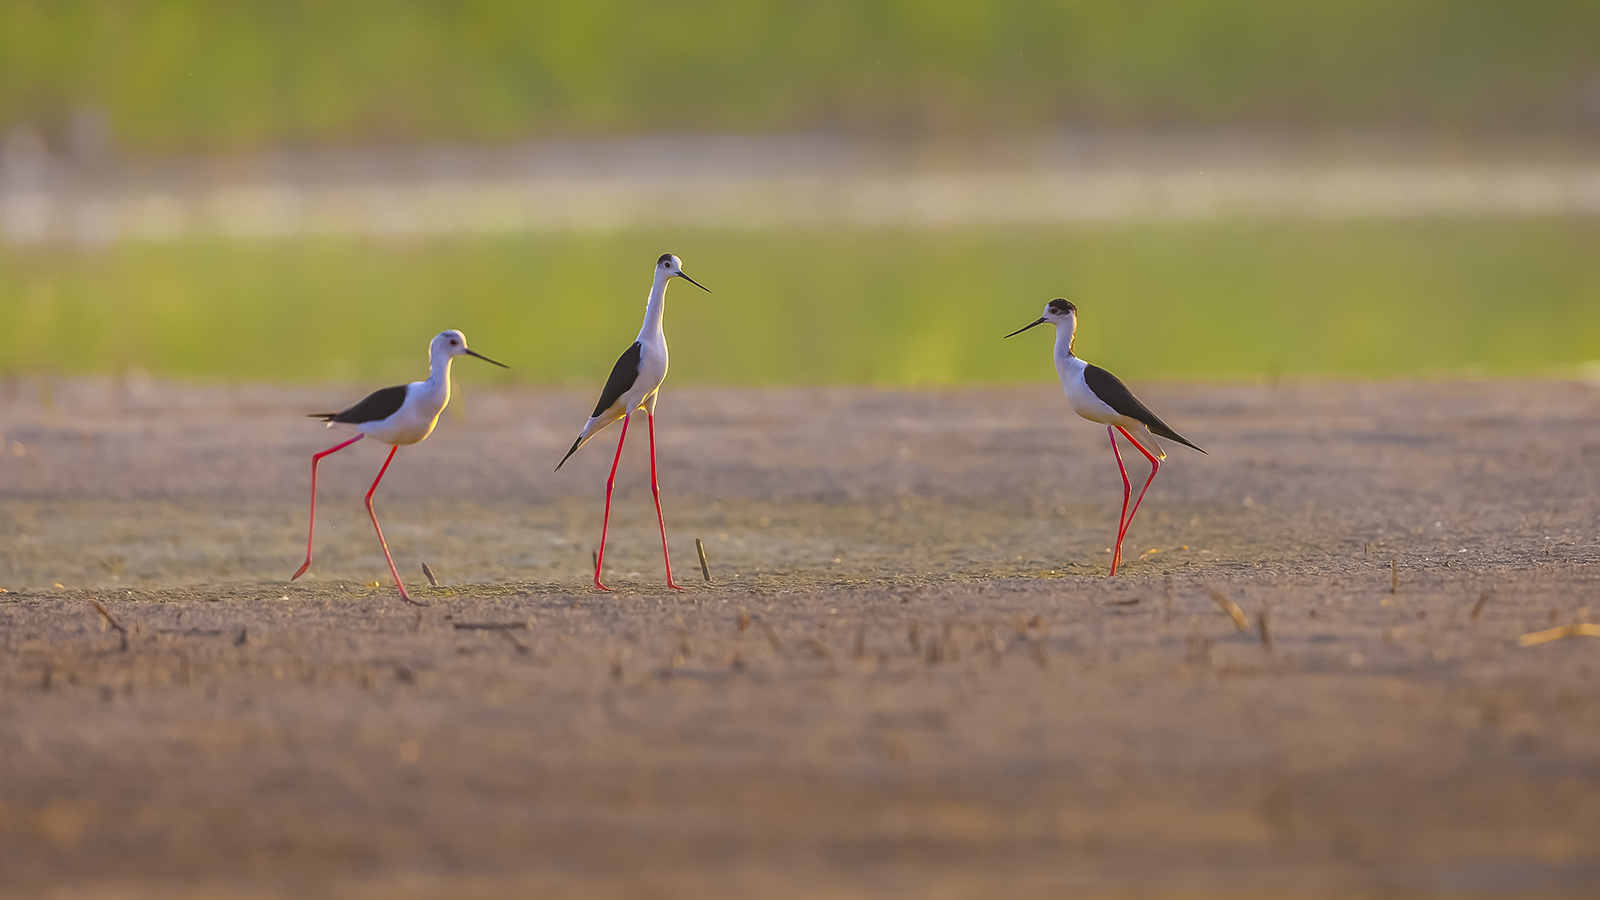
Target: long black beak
x=1039 y=321
x=693 y=282
x=484 y=358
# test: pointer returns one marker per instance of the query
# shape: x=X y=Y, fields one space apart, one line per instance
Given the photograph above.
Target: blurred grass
x=194 y=74
x=1197 y=300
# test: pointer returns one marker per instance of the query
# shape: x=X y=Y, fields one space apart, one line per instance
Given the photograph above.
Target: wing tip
x=574 y=449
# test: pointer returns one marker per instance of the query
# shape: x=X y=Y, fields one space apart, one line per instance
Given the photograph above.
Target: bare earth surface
x=909 y=677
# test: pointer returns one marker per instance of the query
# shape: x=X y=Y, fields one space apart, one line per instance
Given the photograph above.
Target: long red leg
x=1127 y=491
x=600 y=557
x=656 y=490
x=381 y=542
x=316 y=458
x=1155 y=466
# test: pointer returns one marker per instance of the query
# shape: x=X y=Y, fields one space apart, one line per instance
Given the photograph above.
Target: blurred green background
x=179 y=80
x=192 y=74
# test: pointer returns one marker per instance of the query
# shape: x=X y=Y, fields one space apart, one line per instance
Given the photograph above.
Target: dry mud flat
x=907 y=680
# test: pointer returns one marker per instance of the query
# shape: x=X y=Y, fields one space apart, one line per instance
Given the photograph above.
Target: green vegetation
x=195 y=74
x=1159 y=301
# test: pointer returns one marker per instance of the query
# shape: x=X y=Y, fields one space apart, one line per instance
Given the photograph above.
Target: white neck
x=655 y=307
x=439 y=368
x=1065 y=335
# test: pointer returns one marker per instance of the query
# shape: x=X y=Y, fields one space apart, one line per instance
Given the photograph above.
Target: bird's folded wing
x=378 y=405
x=623 y=375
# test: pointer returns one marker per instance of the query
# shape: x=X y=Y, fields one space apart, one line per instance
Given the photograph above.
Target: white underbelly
x=405 y=427
x=652 y=371
x=1087 y=405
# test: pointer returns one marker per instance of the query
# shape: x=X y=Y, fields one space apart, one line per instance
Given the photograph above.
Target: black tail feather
x=1160 y=430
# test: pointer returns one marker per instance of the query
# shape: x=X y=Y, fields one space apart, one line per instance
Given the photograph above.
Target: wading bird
x=633 y=385
x=395 y=415
x=1098 y=396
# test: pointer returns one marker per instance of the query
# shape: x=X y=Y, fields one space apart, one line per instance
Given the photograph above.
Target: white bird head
x=1058 y=312
x=669 y=267
x=452 y=343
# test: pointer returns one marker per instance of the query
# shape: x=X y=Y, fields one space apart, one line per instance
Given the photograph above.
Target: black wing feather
x=623 y=375
x=378 y=405
x=1116 y=395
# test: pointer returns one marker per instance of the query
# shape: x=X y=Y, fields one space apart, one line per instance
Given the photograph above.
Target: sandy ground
x=909 y=677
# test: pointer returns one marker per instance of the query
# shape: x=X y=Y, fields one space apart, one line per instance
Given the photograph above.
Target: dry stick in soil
x=105 y=614
x=429 y=573
x=1229 y=607
x=1477 y=608
x=1264 y=627
x=705 y=568
x=522 y=649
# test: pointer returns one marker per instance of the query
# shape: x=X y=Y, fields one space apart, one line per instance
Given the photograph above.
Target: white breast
x=652 y=372
x=1083 y=400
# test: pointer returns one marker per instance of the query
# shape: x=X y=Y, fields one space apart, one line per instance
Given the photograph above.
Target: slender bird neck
x=1066 y=336
x=439 y=368
x=655 y=308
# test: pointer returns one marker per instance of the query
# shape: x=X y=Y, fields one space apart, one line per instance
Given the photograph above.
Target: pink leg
x=381 y=542
x=656 y=490
x=1127 y=491
x=600 y=557
x=1155 y=466
x=316 y=458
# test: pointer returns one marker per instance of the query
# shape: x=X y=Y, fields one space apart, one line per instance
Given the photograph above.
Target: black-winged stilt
x=1097 y=395
x=398 y=415
x=633 y=385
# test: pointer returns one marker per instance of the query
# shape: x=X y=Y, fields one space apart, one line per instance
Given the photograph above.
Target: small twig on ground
x=1166 y=604
x=1229 y=607
x=1477 y=608
x=1265 y=629
x=488 y=626
x=429 y=573
x=1036 y=650
x=1394 y=576
x=1578 y=629
x=818 y=649
x=110 y=620
x=772 y=636
x=506 y=633
x=705 y=568
x=744 y=619
x=992 y=641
